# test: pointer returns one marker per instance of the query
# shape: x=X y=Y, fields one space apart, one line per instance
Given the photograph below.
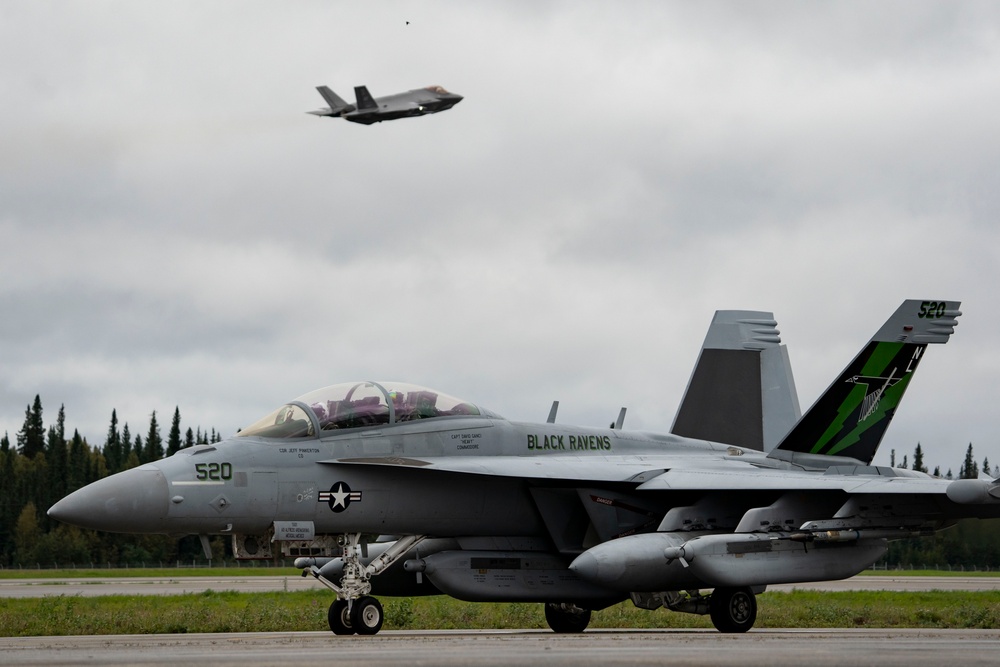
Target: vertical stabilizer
x=364 y=98
x=851 y=416
x=741 y=391
x=337 y=104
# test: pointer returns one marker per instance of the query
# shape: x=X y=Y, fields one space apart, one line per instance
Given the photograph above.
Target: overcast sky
x=175 y=230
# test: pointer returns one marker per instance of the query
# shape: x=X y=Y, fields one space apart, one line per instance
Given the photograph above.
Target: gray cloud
x=177 y=231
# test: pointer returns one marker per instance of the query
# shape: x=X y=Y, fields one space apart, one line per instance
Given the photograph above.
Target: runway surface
x=773 y=648
x=21 y=588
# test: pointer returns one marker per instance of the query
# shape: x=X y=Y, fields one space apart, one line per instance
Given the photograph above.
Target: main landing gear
x=565 y=618
x=354 y=610
x=733 y=609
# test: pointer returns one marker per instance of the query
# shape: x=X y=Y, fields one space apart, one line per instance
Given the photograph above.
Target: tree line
x=45 y=465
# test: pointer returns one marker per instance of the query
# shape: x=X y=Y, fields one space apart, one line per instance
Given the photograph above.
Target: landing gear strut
x=354 y=611
x=733 y=609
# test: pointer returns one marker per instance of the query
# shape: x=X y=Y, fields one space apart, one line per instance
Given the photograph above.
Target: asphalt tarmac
x=597 y=648
x=21 y=588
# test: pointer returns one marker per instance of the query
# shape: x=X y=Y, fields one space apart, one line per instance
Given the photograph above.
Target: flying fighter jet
x=370 y=110
x=480 y=508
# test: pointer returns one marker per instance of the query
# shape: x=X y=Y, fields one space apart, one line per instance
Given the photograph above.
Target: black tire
x=367 y=616
x=563 y=621
x=733 y=609
x=339 y=618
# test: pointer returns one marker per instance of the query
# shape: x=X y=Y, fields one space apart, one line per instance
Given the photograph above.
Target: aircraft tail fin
x=337 y=105
x=364 y=98
x=851 y=416
x=741 y=391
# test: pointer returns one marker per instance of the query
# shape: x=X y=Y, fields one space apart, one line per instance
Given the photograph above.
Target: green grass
x=284 y=612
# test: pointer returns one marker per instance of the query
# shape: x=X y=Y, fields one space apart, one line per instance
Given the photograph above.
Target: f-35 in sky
x=370 y=109
x=744 y=493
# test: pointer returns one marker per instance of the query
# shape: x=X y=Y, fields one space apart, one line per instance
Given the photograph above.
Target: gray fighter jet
x=744 y=493
x=370 y=110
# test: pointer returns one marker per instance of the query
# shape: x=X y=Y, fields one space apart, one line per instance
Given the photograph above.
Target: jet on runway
x=370 y=110
x=744 y=493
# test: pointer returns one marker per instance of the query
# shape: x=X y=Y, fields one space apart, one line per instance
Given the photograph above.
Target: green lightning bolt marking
x=890 y=399
x=881 y=355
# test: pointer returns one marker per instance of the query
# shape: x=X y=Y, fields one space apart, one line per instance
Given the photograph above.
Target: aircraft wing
x=789 y=480
x=666 y=473
x=573 y=468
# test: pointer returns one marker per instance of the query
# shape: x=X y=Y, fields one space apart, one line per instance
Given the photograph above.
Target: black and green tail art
x=851 y=417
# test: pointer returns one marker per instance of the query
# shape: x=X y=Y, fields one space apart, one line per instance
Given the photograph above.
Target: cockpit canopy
x=359 y=405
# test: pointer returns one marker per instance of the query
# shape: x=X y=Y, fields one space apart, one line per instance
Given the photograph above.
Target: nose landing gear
x=354 y=610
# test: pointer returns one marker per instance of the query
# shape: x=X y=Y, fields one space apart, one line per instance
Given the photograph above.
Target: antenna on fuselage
x=552 y=412
x=621 y=420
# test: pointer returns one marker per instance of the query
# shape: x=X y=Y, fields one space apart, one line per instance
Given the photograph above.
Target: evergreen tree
x=970 y=469
x=26 y=532
x=903 y=464
x=9 y=504
x=174 y=439
x=189 y=438
x=78 y=473
x=55 y=453
x=113 y=445
x=126 y=444
x=892 y=458
x=31 y=439
x=937 y=471
x=154 y=443
x=138 y=449
x=918 y=459
x=986 y=467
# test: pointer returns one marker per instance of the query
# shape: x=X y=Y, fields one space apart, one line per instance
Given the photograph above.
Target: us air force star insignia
x=339 y=496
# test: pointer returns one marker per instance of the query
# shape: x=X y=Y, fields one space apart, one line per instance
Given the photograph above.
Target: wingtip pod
x=851 y=417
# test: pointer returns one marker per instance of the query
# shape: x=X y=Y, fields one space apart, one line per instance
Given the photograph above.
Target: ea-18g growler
x=386 y=488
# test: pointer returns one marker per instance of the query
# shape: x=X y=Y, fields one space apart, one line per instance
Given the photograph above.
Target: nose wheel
x=363 y=616
x=367 y=616
x=354 y=611
x=340 y=618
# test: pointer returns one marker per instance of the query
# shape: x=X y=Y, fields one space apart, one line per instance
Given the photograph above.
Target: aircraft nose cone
x=133 y=501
